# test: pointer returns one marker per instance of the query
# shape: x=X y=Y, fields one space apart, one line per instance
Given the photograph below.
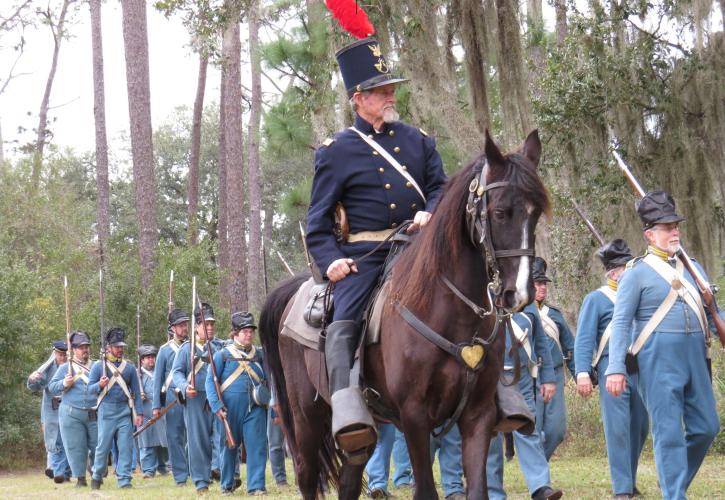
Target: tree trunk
x=99 y=115
x=561 y=27
x=223 y=261
x=234 y=159
x=135 y=40
x=255 y=279
x=42 y=136
x=472 y=36
x=193 y=186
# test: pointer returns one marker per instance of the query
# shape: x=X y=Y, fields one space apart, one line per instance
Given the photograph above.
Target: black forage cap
x=657 y=207
x=614 y=254
x=177 y=316
x=115 y=337
x=242 y=319
x=208 y=313
x=539 y=270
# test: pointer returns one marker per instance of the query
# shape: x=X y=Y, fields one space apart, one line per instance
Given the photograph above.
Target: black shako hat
x=60 y=346
x=147 y=350
x=614 y=254
x=177 y=316
x=79 y=338
x=241 y=320
x=115 y=337
x=363 y=66
x=657 y=207
x=208 y=313
x=538 y=272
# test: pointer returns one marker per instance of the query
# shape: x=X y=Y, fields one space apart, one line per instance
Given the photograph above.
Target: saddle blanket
x=295 y=327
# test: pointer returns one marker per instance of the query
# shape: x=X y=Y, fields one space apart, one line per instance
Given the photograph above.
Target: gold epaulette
x=327 y=142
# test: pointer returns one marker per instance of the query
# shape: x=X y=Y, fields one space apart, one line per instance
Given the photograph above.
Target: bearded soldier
x=77 y=412
x=119 y=409
x=57 y=467
x=380 y=172
x=624 y=418
x=660 y=309
x=165 y=391
x=551 y=415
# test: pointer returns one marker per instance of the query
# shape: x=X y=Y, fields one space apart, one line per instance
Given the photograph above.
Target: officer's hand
x=156 y=412
x=584 y=385
x=616 y=383
x=190 y=392
x=35 y=376
x=103 y=382
x=68 y=381
x=340 y=268
x=547 y=391
x=139 y=420
x=419 y=220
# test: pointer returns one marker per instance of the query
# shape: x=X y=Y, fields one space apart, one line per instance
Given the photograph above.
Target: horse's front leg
x=417 y=428
x=476 y=425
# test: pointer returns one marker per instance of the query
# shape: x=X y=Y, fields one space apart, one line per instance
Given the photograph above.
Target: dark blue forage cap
x=208 y=313
x=614 y=254
x=242 y=319
x=60 y=345
x=657 y=207
x=147 y=350
x=115 y=337
x=363 y=66
x=538 y=272
x=79 y=338
x=177 y=316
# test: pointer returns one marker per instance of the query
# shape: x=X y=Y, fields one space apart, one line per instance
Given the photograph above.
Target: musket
x=231 y=444
x=597 y=235
x=706 y=289
x=171 y=291
x=310 y=263
x=192 y=335
x=289 y=269
x=138 y=353
x=102 y=301
x=67 y=325
x=155 y=419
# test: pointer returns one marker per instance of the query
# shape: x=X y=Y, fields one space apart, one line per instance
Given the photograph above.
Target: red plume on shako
x=351 y=17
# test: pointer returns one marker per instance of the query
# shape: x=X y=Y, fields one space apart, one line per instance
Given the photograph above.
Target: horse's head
x=505 y=202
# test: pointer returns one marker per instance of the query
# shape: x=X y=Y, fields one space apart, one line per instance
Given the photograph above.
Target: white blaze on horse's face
x=522 y=278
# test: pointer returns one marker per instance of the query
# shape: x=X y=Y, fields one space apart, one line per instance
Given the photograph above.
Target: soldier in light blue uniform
x=200 y=421
x=625 y=418
x=532 y=346
x=450 y=462
x=152 y=442
x=119 y=409
x=77 y=413
x=391 y=442
x=383 y=172
x=241 y=377
x=551 y=416
x=670 y=350
x=165 y=392
x=57 y=467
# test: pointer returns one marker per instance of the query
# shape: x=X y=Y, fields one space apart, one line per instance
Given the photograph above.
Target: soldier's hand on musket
x=68 y=380
x=420 y=219
x=616 y=384
x=222 y=413
x=139 y=420
x=103 y=382
x=190 y=392
x=156 y=412
x=340 y=268
x=35 y=376
x=548 y=391
x=584 y=385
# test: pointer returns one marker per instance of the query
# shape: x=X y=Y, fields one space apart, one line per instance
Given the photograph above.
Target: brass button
x=391 y=133
x=394 y=225
x=408 y=184
x=405 y=167
x=376 y=153
x=414 y=205
x=392 y=206
x=387 y=186
x=381 y=170
x=396 y=149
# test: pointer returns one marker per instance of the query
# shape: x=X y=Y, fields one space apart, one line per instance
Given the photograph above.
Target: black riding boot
x=352 y=425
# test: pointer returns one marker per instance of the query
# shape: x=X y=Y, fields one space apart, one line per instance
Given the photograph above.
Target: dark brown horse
x=481 y=233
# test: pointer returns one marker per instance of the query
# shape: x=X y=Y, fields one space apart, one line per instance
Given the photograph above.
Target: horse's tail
x=269 y=326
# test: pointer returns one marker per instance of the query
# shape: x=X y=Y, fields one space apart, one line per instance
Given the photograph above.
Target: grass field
x=580 y=478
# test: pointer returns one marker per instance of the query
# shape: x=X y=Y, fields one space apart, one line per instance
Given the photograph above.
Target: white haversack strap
x=550 y=327
x=611 y=295
x=383 y=152
x=522 y=336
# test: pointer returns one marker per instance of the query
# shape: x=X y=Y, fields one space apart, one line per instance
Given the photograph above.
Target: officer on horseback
x=377 y=174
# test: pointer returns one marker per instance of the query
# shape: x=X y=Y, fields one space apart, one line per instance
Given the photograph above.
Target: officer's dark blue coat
x=374 y=194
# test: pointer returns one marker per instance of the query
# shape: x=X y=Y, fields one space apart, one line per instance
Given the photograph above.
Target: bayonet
x=171 y=291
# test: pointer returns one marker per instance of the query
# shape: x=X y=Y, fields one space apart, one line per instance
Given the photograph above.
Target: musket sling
x=522 y=337
x=679 y=286
x=80 y=374
x=243 y=367
x=550 y=327
x=169 y=377
x=611 y=295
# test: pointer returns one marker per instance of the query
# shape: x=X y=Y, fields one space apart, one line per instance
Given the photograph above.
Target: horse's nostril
x=509 y=298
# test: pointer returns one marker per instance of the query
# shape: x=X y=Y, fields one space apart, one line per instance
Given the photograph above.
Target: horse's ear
x=493 y=154
x=532 y=148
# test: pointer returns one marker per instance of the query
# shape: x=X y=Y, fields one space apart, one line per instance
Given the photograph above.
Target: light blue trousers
x=80 y=437
x=176 y=439
x=56 y=458
x=153 y=459
x=114 y=420
x=551 y=416
x=390 y=441
x=275 y=438
x=249 y=426
x=450 y=460
x=199 y=424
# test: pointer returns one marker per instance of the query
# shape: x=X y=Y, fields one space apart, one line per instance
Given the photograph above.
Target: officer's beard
x=390 y=114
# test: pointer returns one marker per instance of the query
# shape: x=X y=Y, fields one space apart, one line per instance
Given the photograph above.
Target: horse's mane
x=440 y=244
